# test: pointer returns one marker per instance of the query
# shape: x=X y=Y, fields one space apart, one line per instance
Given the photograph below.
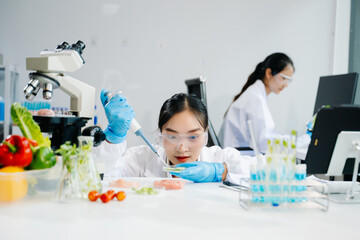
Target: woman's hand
x=201 y=171
x=119 y=114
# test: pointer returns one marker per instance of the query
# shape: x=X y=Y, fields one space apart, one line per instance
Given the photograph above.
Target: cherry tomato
x=93 y=196
x=121 y=195
x=105 y=198
x=111 y=194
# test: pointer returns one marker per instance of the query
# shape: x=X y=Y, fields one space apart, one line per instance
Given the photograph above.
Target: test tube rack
x=304 y=194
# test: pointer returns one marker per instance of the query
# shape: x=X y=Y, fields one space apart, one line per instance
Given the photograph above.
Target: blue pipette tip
x=139 y=133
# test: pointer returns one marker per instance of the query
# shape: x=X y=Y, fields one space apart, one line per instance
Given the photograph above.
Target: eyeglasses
x=284 y=78
x=193 y=140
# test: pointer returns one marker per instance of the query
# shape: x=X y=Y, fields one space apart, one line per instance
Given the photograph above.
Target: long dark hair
x=276 y=62
x=179 y=103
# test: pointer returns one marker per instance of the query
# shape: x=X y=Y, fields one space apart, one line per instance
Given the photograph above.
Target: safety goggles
x=189 y=140
x=283 y=78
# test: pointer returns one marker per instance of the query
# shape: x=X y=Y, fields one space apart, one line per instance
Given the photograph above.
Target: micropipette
x=134 y=126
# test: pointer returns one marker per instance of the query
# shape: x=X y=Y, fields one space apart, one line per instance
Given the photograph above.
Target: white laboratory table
x=200 y=211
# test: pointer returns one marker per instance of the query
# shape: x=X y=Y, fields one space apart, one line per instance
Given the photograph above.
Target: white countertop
x=203 y=211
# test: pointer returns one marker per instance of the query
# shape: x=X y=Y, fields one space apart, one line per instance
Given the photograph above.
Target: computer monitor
x=335 y=90
x=329 y=123
x=197 y=86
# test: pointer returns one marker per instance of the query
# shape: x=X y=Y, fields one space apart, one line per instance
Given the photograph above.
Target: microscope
x=50 y=69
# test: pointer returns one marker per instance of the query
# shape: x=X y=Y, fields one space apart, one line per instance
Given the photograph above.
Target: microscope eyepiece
x=63 y=46
x=78 y=46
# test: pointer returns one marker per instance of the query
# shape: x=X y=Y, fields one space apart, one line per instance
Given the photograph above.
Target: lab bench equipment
x=36 y=105
x=329 y=123
x=278 y=182
x=347 y=145
x=30 y=185
x=269 y=189
x=79 y=173
x=61 y=128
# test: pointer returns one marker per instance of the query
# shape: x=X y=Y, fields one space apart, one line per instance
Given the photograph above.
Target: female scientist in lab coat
x=183 y=125
x=272 y=75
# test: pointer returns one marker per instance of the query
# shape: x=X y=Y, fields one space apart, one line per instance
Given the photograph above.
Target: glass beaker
x=80 y=175
x=69 y=188
x=88 y=174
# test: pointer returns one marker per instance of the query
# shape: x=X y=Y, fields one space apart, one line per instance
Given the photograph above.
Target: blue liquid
x=2 y=109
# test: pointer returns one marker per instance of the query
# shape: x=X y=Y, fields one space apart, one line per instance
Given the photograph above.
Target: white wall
x=148 y=48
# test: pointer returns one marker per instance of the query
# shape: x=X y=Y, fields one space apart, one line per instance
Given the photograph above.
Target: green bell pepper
x=43 y=158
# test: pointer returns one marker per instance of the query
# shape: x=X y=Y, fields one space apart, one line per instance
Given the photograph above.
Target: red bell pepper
x=15 y=151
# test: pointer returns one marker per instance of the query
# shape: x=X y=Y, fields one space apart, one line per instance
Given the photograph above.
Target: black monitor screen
x=329 y=123
x=335 y=90
x=194 y=87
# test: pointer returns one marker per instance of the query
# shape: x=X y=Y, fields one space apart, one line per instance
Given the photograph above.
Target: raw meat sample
x=120 y=183
x=169 y=184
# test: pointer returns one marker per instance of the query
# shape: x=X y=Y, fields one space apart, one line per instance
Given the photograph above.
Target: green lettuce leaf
x=29 y=128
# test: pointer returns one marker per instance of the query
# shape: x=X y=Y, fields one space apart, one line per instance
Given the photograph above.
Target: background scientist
x=272 y=75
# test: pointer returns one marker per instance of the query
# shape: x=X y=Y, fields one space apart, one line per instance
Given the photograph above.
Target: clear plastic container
x=30 y=184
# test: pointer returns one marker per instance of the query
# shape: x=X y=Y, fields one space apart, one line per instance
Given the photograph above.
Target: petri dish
x=173 y=169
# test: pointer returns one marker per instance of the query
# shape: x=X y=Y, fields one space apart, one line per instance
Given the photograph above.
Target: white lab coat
x=141 y=161
x=251 y=105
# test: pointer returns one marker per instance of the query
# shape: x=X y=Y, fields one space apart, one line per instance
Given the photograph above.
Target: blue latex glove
x=201 y=171
x=309 y=128
x=119 y=115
